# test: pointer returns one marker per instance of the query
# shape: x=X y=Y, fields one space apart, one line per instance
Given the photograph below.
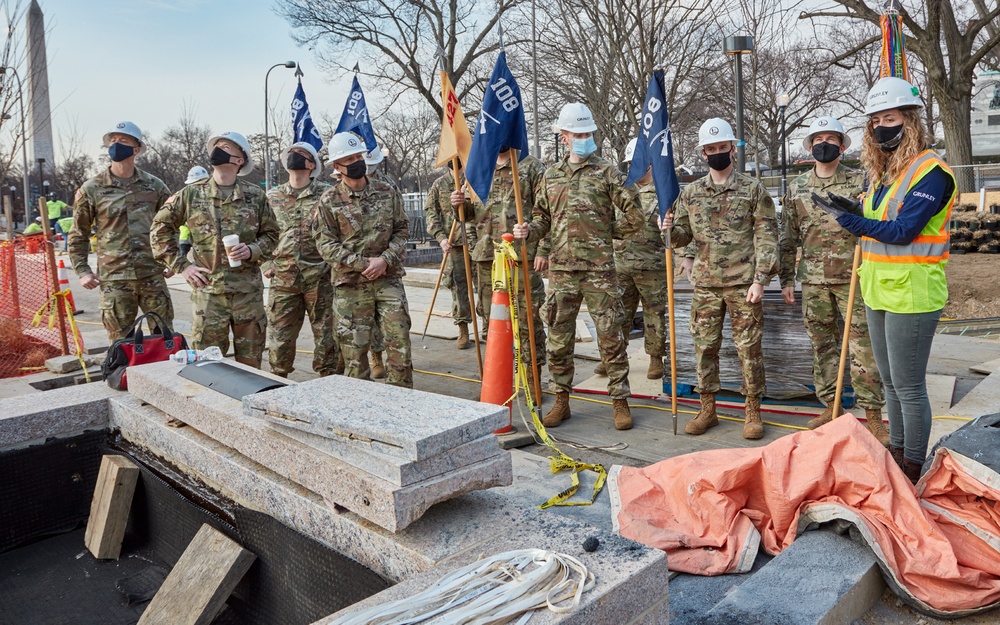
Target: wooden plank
x=110 y=507
x=197 y=588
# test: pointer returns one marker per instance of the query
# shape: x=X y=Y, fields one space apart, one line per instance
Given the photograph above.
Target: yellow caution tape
x=61 y=298
x=505 y=274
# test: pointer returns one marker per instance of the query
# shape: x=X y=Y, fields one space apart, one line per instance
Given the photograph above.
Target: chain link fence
x=26 y=286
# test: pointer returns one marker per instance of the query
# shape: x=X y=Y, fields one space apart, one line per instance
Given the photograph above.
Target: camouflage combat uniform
x=353 y=226
x=234 y=297
x=825 y=273
x=497 y=217
x=121 y=211
x=300 y=282
x=735 y=234
x=576 y=207
x=640 y=258
x=440 y=217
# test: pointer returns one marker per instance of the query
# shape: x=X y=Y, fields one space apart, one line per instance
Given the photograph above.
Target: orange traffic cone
x=498 y=366
x=64 y=284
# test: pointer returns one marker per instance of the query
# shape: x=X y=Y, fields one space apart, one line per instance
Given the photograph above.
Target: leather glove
x=827 y=206
x=847 y=204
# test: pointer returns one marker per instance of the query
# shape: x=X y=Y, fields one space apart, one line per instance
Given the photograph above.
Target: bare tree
x=76 y=164
x=394 y=41
x=411 y=138
x=951 y=39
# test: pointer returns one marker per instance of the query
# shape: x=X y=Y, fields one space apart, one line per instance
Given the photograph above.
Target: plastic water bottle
x=186 y=356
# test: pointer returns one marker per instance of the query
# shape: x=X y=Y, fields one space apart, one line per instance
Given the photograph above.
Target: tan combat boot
x=600 y=369
x=876 y=427
x=623 y=416
x=463 y=336
x=825 y=417
x=655 y=368
x=753 y=428
x=706 y=417
x=378 y=369
x=559 y=413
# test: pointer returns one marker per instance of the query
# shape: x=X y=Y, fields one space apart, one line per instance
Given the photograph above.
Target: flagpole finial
x=439 y=56
x=357 y=68
x=298 y=72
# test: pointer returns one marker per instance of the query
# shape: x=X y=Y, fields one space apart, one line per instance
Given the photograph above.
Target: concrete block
x=377 y=500
x=63 y=364
x=391 y=468
x=413 y=425
x=95 y=341
x=60 y=412
x=978 y=440
x=823 y=578
x=982 y=400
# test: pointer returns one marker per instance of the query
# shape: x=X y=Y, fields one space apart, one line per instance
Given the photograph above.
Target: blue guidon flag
x=355 y=117
x=302 y=123
x=501 y=125
x=655 y=147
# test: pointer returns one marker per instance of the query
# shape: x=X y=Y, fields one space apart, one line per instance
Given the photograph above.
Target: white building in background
x=985 y=129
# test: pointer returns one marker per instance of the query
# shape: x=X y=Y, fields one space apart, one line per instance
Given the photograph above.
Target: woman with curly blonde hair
x=904 y=243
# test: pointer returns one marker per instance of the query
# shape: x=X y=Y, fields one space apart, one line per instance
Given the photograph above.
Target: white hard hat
x=715 y=130
x=575 y=117
x=891 y=93
x=345 y=144
x=826 y=124
x=240 y=141
x=123 y=128
x=195 y=174
x=312 y=152
x=630 y=150
x=374 y=157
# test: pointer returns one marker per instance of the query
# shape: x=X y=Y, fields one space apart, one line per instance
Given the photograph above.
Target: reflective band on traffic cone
x=63 y=274
x=498 y=365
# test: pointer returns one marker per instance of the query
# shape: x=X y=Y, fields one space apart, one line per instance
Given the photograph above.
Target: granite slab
x=65 y=411
x=375 y=499
x=392 y=468
x=413 y=425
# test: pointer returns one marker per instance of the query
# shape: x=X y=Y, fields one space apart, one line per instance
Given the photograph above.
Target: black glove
x=829 y=207
x=847 y=204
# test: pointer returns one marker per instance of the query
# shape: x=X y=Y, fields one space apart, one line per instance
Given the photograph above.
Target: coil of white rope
x=504 y=588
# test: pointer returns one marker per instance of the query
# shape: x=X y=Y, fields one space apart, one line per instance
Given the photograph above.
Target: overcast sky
x=144 y=60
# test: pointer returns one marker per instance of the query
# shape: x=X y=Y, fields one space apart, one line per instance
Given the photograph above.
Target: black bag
x=136 y=349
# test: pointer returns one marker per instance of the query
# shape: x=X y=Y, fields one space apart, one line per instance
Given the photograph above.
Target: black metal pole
x=741 y=159
x=41 y=165
x=784 y=162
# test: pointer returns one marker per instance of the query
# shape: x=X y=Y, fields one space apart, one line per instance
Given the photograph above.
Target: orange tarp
x=711 y=510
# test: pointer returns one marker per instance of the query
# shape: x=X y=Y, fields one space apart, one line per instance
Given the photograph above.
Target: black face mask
x=296 y=162
x=219 y=157
x=720 y=161
x=826 y=152
x=889 y=137
x=357 y=170
x=120 y=152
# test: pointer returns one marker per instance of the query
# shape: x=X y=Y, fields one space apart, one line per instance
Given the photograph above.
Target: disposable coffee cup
x=229 y=242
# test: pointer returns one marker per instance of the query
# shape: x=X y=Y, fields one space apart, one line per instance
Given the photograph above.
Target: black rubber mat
x=46 y=489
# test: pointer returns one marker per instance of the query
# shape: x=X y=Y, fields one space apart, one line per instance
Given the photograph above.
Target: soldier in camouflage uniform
x=440 y=217
x=300 y=278
x=493 y=219
x=577 y=201
x=640 y=258
x=120 y=204
x=362 y=231
x=222 y=297
x=825 y=273
x=730 y=218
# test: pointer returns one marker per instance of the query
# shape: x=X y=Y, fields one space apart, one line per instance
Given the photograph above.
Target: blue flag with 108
x=655 y=146
x=302 y=123
x=355 y=117
x=500 y=125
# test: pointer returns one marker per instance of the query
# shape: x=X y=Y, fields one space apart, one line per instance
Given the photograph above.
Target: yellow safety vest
x=907 y=278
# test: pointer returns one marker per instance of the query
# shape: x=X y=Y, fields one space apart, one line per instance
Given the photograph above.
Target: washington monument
x=39 y=115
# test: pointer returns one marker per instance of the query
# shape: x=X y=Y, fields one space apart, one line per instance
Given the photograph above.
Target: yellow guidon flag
x=455 y=138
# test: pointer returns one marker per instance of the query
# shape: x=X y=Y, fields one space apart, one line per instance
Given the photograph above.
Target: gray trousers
x=901 y=344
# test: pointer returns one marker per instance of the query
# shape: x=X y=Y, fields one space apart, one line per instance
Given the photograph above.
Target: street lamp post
x=267 y=143
x=24 y=142
x=41 y=183
x=737 y=46
x=782 y=100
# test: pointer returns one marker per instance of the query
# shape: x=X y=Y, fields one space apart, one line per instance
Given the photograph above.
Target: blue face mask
x=584 y=147
x=119 y=152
